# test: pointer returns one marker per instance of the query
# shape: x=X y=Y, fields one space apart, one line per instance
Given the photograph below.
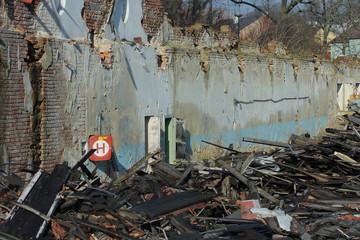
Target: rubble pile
x=304 y=189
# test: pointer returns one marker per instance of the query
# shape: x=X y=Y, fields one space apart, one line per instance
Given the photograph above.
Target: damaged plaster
x=70 y=61
x=28 y=99
x=111 y=85
x=60 y=18
x=127 y=20
x=46 y=59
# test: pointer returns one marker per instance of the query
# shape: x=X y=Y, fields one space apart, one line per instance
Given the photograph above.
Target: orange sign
x=103 y=146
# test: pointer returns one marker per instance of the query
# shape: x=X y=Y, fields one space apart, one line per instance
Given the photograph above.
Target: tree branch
x=293 y=4
x=256 y=7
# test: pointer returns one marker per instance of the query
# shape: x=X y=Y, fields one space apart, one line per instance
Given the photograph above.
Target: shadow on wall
x=45 y=4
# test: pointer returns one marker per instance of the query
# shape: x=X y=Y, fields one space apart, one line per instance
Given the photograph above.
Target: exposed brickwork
x=95 y=14
x=61 y=125
x=51 y=125
x=20 y=14
x=153 y=15
x=200 y=34
x=15 y=128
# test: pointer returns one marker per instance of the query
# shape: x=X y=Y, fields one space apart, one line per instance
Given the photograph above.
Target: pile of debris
x=306 y=189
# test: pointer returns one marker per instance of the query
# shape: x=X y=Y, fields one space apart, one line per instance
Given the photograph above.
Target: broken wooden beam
x=135 y=167
x=265 y=142
x=41 y=194
x=219 y=146
x=167 y=204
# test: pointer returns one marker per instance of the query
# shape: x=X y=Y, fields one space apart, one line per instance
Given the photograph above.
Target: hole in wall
x=159 y=60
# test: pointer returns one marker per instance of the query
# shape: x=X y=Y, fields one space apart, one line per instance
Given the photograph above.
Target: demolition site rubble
x=305 y=189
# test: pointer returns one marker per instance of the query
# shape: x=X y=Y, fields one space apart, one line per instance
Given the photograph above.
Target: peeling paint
x=28 y=99
x=46 y=59
x=18 y=58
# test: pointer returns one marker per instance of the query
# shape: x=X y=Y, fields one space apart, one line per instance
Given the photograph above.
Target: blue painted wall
x=221 y=105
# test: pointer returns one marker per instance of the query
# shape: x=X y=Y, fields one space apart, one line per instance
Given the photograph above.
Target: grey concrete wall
x=268 y=100
x=272 y=98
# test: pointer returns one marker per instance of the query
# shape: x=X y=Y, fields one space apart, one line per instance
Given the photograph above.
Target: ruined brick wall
x=64 y=104
x=95 y=14
x=15 y=130
x=19 y=15
x=153 y=15
x=199 y=35
x=43 y=104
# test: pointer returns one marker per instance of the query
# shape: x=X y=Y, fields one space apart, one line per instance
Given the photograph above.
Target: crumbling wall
x=60 y=18
x=348 y=80
x=153 y=16
x=222 y=96
x=17 y=14
x=264 y=97
x=43 y=87
x=96 y=13
x=77 y=82
x=120 y=98
x=16 y=100
x=63 y=105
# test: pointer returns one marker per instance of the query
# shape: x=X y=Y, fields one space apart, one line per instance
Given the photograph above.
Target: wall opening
x=168 y=132
x=345 y=94
x=152 y=134
x=175 y=139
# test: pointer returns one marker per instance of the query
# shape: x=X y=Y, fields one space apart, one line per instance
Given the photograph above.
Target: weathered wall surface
x=270 y=98
x=121 y=97
x=347 y=79
x=65 y=84
x=267 y=100
x=60 y=18
x=64 y=102
x=95 y=14
x=15 y=101
x=17 y=14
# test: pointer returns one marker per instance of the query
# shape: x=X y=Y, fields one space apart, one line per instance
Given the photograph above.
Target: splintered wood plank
x=42 y=196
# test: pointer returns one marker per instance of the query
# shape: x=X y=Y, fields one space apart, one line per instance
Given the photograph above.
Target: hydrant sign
x=103 y=146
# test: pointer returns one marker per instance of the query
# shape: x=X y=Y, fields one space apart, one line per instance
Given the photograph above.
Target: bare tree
x=174 y=10
x=326 y=13
x=294 y=32
x=347 y=25
x=185 y=12
x=287 y=7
